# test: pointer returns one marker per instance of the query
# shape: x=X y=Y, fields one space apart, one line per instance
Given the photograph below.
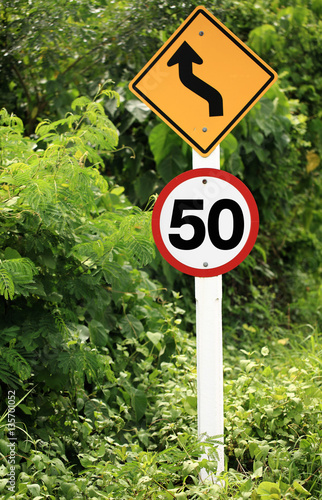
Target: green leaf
x=130 y=326
x=7 y=287
x=102 y=450
x=138 y=109
x=98 y=333
x=58 y=464
x=258 y=137
x=139 y=403
x=262 y=38
x=189 y=466
x=80 y=102
x=16 y=361
x=118 y=190
x=300 y=489
x=3 y=483
x=173 y=165
x=83 y=332
x=162 y=140
x=86 y=460
x=114 y=273
x=4 y=446
x=190 y=405
x=141 y=250
x=145 y=185
x=155 y=337
x=181 y=496
x=25 y=409
x=252 y=449
x=11 y=253
x=22 y=271
x=34 y=489
x=229 y=145
x=267 y=490
x=69 y=490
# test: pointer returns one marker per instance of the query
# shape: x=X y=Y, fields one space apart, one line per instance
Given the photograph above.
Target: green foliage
x=95 y=348
x=67 y=239
x=272 y=424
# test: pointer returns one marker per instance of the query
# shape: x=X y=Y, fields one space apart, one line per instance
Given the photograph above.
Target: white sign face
x=205 y=222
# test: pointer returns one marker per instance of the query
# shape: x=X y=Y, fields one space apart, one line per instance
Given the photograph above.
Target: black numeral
x=213 y=224
x=178 y=220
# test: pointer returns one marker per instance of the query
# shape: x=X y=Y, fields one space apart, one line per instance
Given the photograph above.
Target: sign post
x=204 y=223
x=202 y=82
x=210 y=384
x=210 y=394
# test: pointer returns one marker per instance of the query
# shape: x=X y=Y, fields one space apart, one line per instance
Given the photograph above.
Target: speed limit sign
x=205 y=222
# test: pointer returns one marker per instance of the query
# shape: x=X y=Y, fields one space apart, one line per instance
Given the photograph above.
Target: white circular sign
x=205 y=222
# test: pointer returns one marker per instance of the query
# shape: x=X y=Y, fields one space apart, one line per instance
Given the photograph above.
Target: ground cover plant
x=97 y=341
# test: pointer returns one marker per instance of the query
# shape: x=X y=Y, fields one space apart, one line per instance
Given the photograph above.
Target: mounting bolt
x=201 y=33
x=204 y=129
x=205 y=264
x=204 y=181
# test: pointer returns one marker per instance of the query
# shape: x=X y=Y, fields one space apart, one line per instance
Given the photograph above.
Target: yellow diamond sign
x=203 y=81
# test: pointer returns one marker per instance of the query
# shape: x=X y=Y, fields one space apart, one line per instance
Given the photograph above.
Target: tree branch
x=22 y=82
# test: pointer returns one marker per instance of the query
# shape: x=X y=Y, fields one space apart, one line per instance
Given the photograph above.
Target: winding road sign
x=205 y=222
x=202 y=81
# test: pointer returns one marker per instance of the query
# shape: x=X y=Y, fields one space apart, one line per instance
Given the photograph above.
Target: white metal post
x=210 y=397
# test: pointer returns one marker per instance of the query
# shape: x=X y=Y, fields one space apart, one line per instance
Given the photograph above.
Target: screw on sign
x=205 y=222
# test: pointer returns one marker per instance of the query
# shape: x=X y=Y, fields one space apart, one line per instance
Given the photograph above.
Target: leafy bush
x=63 y=235
x=272 y=428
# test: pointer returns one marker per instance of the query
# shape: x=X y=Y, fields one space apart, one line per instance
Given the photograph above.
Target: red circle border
x=253 y=210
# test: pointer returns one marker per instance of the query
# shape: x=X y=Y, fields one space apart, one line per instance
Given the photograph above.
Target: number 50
x=178 y=220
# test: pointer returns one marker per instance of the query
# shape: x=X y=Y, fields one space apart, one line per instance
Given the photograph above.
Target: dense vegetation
x=97 y=332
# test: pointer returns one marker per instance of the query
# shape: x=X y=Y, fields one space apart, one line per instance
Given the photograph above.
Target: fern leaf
x=91 y=364
x=74 y=361
x=7 y=377
x=67 y=362
x=141 y=250
x=93 y=109
x=7 y=288
x=16 y=362
x=44 y=127
x=39 y=193
x=18 y=175
x=60 y=323
x=88 y=251
x=22 y=270
x=80 y=102
x=112 y=94
x=9 y=334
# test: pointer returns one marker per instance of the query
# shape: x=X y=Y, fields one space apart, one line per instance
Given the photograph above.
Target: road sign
x=203 y=81
x=205 y=222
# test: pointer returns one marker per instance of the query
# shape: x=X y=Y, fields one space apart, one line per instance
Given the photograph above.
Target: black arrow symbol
x=184 y=57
